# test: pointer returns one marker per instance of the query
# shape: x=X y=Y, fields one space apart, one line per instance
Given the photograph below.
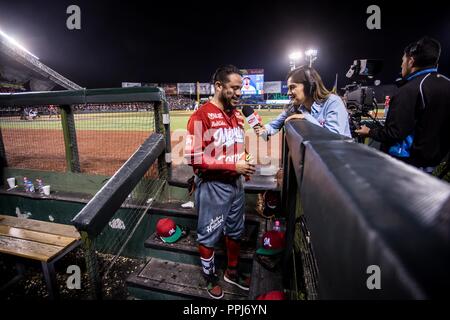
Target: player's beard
x=226 y=102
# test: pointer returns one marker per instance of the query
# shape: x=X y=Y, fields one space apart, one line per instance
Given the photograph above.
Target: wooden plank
x=36 y=236
x=180 y=279
x=41 y=226
x=28 y=249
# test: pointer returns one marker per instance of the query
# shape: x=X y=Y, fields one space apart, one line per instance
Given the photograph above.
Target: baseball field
x=104 y=140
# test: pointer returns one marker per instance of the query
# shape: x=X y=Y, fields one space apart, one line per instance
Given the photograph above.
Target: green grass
x=127 y=121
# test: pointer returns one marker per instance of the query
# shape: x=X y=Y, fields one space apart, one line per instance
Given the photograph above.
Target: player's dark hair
x=222 y=73
x=426 y=52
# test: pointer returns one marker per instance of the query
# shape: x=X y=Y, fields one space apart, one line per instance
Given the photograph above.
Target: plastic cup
x=46 y=190
x=11 y=182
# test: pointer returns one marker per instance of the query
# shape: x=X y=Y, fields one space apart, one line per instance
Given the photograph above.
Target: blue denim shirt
x=331 y=114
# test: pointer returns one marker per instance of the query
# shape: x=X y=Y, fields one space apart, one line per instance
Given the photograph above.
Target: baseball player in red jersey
x=215 y=147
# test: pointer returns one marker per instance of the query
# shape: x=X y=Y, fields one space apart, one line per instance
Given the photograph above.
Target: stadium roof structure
x=19 y=66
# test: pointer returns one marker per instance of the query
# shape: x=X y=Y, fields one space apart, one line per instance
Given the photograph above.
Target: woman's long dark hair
x=298 y=75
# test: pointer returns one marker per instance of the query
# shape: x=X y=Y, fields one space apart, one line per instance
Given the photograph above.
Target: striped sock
x=207 y=259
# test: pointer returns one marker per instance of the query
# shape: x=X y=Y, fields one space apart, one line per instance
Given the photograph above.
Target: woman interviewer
x=310 y=101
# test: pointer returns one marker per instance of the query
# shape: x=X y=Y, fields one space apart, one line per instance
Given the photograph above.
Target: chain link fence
x=101 y=136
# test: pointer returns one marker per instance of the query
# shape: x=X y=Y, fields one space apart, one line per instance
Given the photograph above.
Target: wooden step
x=189 y=244
x=179 y=279
x=264 y=280
x=173 y=208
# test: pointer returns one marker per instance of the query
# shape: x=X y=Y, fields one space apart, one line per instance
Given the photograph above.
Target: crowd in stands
x=180 y=103
x=80 y=108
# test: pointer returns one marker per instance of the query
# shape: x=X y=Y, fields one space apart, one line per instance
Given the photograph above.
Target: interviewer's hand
x=260 y=130
x=295 y=116
x=245 y=168
x=363 y=131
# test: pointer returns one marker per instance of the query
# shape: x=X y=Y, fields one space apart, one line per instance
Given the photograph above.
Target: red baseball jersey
x=215 y=141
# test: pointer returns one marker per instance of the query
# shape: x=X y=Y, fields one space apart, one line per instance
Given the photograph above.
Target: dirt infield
x=101 y=152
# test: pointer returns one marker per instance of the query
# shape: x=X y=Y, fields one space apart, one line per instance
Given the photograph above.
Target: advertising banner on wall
x=131 y=84
x=186 y=88
x=204 y=88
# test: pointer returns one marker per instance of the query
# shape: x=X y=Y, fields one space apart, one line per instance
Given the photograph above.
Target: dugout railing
x=361 y=225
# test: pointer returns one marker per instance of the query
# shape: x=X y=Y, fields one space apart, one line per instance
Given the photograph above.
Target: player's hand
x=295 y=116
x=245 y=168
x=363 y=131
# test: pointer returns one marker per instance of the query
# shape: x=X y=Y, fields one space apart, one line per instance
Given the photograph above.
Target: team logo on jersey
x=218 y=123
x=214 y=116
x=228 y=136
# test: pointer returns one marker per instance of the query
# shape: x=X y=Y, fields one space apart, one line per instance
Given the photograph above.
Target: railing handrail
x=84 y=96
x=100 y=209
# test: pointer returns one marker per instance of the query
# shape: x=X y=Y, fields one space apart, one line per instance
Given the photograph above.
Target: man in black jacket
x=419 y=112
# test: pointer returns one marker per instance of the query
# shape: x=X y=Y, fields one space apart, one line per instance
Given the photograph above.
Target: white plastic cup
x=11 y=182
x=46 y=190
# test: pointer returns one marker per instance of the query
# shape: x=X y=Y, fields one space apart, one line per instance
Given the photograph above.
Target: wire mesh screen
x=307 y=266
x=107 y=135
x=118 y=234
x=33 y=138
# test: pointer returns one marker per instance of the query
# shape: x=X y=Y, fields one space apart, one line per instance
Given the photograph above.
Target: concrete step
x=171 y=280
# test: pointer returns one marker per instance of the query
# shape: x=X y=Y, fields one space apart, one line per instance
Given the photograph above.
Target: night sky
x=165 y=41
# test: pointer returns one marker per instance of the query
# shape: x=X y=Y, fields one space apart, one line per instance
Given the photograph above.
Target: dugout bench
x=46 y=242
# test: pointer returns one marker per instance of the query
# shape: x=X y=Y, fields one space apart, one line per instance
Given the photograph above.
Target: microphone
x=253 y=119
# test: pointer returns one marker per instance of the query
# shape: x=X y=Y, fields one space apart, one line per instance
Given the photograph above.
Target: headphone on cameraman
x=311 y=82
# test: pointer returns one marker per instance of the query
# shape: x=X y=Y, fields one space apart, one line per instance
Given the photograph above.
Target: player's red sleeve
x=195 y=148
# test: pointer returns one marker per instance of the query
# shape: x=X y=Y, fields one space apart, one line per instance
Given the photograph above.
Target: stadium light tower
x=294 y=57
x=311 y=56
x=15 y=43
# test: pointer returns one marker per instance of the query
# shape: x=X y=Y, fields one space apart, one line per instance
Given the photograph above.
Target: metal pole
x=3 y=162
x=70 y=139
x=163 y=167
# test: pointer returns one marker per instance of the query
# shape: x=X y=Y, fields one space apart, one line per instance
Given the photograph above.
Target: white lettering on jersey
x=218 y=123
x=228 y=136
x=231 y=159
x=213 y=116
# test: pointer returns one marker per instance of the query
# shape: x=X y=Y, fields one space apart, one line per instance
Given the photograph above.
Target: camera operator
x=310 y=101
x=417 y=126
